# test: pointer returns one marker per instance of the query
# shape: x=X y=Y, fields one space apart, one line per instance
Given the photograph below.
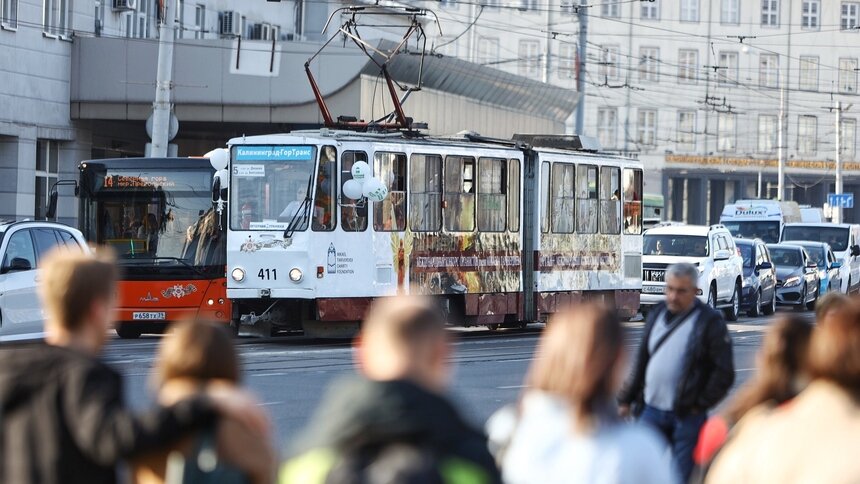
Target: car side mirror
x=722 y=255
x=18 y=264
x=764 y=266
x=836 y=265
x=855 y=250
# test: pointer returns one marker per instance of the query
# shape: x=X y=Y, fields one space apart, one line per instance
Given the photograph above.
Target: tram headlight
x=295 y=274
x=238 y=274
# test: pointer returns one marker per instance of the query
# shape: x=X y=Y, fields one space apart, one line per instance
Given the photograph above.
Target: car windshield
x=767 y=231
x=817 y=255
x=786 y=257
x=675 y=245
x=747 y=251
x=837 y=237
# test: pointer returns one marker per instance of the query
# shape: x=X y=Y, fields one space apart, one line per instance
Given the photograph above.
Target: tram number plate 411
x=148 y=316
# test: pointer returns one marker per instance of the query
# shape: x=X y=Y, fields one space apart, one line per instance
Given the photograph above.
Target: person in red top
x=780 y=376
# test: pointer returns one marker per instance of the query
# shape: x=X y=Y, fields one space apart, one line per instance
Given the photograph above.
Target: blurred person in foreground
x=813 y=438
x=780 y=375
x=62 y=414
x=393 y=425
x=200 y=357
x=566 y=428
x=684 y=366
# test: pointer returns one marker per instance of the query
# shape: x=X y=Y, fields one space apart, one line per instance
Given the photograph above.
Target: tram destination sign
x=274 y=153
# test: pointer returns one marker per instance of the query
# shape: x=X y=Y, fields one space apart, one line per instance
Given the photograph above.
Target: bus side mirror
x=51 y=212
x=216 y=189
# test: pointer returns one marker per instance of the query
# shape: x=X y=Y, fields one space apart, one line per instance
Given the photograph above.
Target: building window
x=488 y=51
x=608 y=68
x=492 y=196
x=647 y=127
x=848 y=75
x=766 y=133
x=425 y=191
x=566 y=61
x=770 y=13
x=651 y=10
x=9 y=14
x=529 y=58
x=809 y=73
x=459 y=194
x=848 y=136
x=728 y=71
x=810 y=14
x=607 y=119
x=726 y=140
x=807 y=127
x=689 y=10
x=730 y=12
x=389 y=215
x=850 y=15
x=768 y=70
x=56 y=17
x=649 y=57
x=528 y=5
x=610 y=8
x=686 y=131
x=47 y=167
x=688 y=64
x=563 y=198
x=200 y=21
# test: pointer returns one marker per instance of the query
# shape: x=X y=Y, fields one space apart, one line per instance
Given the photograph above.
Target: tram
x=501 y=231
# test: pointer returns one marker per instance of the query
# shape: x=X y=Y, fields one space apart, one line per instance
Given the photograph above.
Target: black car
x=759 y=283
x=796 y=276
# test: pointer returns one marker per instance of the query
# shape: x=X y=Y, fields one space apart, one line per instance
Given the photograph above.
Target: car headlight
x=238 y=274
x=792 y=281
x=295 y=274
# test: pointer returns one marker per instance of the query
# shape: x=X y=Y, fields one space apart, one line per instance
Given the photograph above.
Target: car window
x=68 y=239
x=747 y=254
x=20 y=247
x=46 y=240
x=787 y=257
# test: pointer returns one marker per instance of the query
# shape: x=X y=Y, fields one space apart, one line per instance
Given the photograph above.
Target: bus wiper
x=295 y=222
x=181 y=261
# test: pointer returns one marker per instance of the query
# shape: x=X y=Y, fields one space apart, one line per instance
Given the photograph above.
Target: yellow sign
x=755 y=163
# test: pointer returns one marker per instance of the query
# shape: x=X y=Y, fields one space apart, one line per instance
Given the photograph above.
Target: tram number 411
x=268 y=274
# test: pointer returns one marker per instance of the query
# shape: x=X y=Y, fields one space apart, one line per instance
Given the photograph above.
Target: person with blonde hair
x=566 y=428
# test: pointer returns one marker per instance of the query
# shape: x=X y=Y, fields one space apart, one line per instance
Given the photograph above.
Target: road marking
x=267 y=404
x=268 y=374
x=511 y=387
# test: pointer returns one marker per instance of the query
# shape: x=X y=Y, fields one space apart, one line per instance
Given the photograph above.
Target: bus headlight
x=295 y=274
x=238 y=274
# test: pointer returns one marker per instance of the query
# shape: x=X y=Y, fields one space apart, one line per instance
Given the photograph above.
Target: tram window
x=425 y=191
x=492 y=196
x=632 y=199
x=562 y=206
x=326 y=191
x=586 y=201
x=514 y=195
x=544 y=197
x=610 y=200
x=389 y=215
x=459 y=195
x=352 y=218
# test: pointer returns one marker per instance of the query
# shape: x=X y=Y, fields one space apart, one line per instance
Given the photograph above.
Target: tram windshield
x=271 y=187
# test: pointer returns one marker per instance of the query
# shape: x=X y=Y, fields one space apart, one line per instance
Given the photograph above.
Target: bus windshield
x=767 y=231
x=837 y=237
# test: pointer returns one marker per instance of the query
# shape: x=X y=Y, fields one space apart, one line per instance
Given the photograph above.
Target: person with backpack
x=684 y=366
x=393 y=424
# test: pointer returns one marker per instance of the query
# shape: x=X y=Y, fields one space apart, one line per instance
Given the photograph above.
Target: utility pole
x=582 y=15
x=163 y=82
x=781 y=139
x=837 y=218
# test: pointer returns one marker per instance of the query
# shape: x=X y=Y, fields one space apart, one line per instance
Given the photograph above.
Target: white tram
x=503 y=231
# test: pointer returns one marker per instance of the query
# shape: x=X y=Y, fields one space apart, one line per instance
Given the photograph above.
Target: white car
x=711 y=249
x=22 y=244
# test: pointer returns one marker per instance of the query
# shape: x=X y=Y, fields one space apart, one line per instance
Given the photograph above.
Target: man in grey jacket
x=684 y=366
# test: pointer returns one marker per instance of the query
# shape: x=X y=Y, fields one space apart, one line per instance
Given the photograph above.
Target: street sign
x=841 y=200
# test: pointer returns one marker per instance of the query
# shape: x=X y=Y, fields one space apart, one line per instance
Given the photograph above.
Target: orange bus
x=159 y=217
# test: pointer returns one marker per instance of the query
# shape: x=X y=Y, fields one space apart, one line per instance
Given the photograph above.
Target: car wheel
x=803 y=296
x=771 y=307
x=734 y=309
x=755 y=309
x=811 y=304
x=712 y=297
x=125 y=331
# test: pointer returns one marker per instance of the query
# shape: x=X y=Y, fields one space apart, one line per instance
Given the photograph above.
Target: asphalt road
x=289 y=375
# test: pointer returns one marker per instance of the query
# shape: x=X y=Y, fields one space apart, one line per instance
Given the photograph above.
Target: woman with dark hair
x=814 y=438
x=566 y=427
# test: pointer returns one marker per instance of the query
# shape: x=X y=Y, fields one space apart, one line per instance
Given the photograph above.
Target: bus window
x=514 y=195
x=544 y=197
x=492 y=199
x=459 y=199
x=610 y=200
x=425 y=204
x=324 y=198
x=389 y=215
x=562 y=198
x=586 y=202
x=632 y=201
x=352 y=218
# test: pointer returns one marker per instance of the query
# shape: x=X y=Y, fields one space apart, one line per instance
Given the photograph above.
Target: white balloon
x=360 y=171
x=375 y=190
x=219 y=158
x=352 y=189
x=224 y=176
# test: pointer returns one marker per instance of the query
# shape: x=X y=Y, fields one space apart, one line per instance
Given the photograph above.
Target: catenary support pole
x=164 y=82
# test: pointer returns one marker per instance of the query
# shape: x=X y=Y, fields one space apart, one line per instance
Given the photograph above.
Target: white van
x=843 y=239
x=759 y=219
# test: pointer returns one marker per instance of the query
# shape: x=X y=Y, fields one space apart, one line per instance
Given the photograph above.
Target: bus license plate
x=148 y=316
x=654 y=289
